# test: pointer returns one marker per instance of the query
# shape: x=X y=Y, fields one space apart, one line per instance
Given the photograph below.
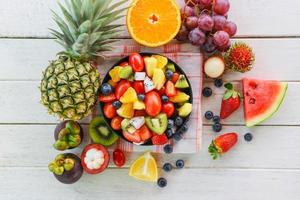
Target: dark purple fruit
x=66 y=168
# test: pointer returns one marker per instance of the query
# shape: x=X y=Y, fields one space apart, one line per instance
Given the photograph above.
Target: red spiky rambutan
x=239 y=57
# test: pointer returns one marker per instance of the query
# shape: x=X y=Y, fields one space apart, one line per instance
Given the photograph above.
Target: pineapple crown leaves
x=86 y=27
x=230 y=92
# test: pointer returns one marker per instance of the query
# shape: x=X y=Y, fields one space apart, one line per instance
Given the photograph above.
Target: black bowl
x=125 y=59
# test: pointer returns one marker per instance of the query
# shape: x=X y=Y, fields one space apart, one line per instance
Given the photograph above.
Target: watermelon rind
x=276 y=105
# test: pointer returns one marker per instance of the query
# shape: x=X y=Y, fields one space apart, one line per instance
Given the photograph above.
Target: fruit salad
x=142 y=97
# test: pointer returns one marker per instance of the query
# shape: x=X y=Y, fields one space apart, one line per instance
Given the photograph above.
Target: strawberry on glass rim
x=94 y=158
x=141 y=94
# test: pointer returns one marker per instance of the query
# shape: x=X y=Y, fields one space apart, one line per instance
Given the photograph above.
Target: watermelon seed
x=252 y=101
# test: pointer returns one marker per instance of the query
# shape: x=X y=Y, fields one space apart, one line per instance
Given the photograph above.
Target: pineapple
x=70 y=83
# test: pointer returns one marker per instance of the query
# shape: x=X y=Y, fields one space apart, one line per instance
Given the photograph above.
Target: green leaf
x=228 y=86
x=85 y=27
x=228 y=94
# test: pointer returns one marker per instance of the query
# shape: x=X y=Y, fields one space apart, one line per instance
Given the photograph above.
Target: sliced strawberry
x=123 y=64
x=162 y=91
x=175 y=77
x=168 y=108
x=138 y=113
x=144 y=133
x=121 y=88
x=170 y=89
x=160 y=139
x=139 y=87
x=109 y=98
x=134 y=137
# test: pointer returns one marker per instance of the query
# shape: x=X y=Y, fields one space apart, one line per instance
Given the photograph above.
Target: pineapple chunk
x=126 y=110
x=161 y=61
x=114 y=74
x=139 y=105
x=129 y=96
x=179 y=97
x=159 y=78
x=150 y=64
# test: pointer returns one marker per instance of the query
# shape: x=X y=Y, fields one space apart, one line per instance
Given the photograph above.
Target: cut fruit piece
x=100 y=133
x=139 y=76
x=114 y=74
x=147 y=21
x=157 y=124
x=179 y=97
x=137 y=122
x=144 y=168
x=214 y=67
x=262 y=99
x=127 y=126
x=161 y=61
x=158 y=78
x=171 y=67
x=132 y=137
x=126 y=110
x=159 y=139
x=148 y=84
x=125 y=72
x=150 y=64
x=129 y=96
x=170 y=89
x=139 y=105
x=182 y=82
x=185 y=110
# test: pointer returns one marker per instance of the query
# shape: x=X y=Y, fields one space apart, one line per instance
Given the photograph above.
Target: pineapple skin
x=69 y=88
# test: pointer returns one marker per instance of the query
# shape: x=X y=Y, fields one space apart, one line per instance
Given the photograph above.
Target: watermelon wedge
x=262 y=99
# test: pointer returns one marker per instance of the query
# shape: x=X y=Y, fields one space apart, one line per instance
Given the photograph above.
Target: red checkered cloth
x=191 y=63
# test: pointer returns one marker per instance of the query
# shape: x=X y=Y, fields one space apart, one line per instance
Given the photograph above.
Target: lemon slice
x=144 y=168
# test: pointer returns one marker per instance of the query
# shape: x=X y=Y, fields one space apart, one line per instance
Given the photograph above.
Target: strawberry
x=230 y=102
x=222 y=144
x=159 y=139
x=134 y=137
x=109 y=98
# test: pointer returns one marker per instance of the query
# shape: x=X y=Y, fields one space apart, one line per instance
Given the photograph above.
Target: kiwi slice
x=158 y=124
x=125 y=72
x=127 y=126
x=181 y=82
x=100 y=133
x=171 y=67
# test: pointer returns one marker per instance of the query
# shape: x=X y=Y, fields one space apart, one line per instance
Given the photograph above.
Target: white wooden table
x=266 y=168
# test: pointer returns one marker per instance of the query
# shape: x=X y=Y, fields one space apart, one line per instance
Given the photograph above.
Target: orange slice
x=153 y=22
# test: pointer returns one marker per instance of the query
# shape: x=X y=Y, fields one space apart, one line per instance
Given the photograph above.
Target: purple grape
x=183 y=33
x=209 y=46
x=221 y=38
x=205 y=3
x=191 y=3
x=221 y=6
x=197 y=37
x=191 y=22
x=186 y=11
x=219 y=22
x=205 y=22
x=225 y=48
x=230 y=28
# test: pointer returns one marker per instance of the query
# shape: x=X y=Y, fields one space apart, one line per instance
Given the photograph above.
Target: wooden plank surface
x=267 y=18
x=192 y=184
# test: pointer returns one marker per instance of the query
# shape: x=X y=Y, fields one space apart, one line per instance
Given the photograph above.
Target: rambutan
x=239 y=57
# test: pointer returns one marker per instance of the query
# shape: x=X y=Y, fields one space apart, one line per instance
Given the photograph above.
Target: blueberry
x=169 y=133
x=184 y=128
x=170 y=123
x=164 y=98
x=209 y=115
x=117 y=104
x=179 y=164
x=167 y=167
x=178 y=121
x=169 y=74
x=216 y=119
x=106 y=89
x=217 y=127
x=218 y=82
x=162 y=182
x=177 y=136
x=168 y=148
x=141 y=97
x=248 y=137
x=206 y=92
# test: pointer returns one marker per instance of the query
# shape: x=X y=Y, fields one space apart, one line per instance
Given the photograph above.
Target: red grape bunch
x=205 y=24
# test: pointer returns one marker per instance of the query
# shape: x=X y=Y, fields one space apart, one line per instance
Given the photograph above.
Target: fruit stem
x=213 y=150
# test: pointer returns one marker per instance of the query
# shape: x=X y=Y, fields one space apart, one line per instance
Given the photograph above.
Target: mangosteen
x=68 y=135
x=66 y=168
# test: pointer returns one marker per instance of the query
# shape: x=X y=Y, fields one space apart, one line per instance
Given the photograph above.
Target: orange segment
x=153 y=22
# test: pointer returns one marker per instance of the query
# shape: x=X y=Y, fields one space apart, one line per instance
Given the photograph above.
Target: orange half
x=153 y=22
